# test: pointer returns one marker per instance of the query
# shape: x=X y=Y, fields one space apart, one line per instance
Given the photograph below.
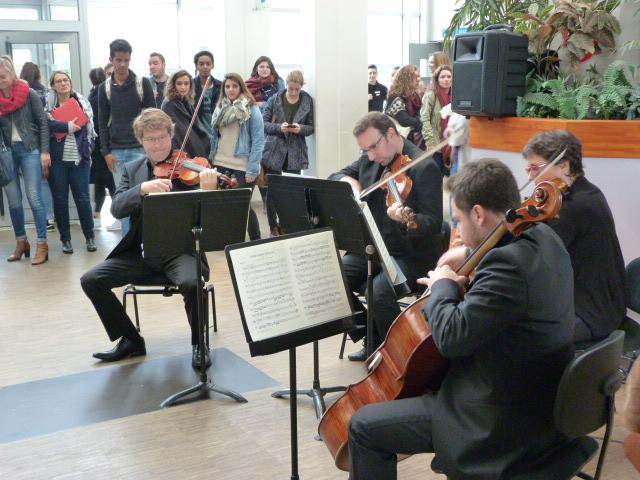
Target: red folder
x=67 y=112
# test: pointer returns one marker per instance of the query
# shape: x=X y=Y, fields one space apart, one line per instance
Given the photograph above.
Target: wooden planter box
x=600 y=138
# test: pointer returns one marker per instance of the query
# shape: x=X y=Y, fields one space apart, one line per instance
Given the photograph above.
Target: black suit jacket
x=127 y=202
x=424 y=245
x=508 y=341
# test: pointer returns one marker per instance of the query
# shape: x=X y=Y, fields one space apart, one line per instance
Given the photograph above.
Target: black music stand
x=298 y=331
x=303 y=203
x=200 y=221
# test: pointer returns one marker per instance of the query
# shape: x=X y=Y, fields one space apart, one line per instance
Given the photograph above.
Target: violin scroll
x=543 y=205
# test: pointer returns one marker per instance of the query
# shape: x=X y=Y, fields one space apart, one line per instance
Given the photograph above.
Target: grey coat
x=31 y=123
x=279 y=145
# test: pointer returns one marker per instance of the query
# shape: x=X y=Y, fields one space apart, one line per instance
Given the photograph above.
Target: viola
x=181 y=166
x=408 y=362
x=399 y=188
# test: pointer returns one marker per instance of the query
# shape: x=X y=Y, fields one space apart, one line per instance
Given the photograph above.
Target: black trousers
x=385 y=308
x=130 y=267
x=379 y=431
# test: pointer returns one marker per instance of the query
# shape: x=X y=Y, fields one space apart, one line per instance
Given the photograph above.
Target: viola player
x=508 y=340
x=587 y=229
x=126 y=264
x=416 y=250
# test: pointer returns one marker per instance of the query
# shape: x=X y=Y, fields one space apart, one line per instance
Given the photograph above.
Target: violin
x=180 y=166
x=408 y=362
x=399 y=188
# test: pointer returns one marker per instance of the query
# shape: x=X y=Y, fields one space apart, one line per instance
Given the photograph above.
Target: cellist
x=508 y=340
x=415 y=250
x=126 y=264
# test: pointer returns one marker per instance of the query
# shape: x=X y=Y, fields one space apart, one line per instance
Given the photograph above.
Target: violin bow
x=188 y=132
x=373 y=187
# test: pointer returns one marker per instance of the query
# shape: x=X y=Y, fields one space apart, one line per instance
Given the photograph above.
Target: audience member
x=288 y=119
x=121 y=98
x=403 y=103
x=377 y=91
x=238 y=138
x=158 y=76
x=100 y=176
x=178 y=104
x=24 y=128
x=433 y=123
x=71 y=146
x=204 y=65
x=264 y=81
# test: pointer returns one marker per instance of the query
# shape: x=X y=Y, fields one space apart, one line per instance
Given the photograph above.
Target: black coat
x=127 y=202
x=181 y=111
x=508 y=341
x=423 y=244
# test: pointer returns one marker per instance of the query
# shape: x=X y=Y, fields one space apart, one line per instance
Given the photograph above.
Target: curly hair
x=404 y=82
x=550 y=143
x=152 y=119
x=171 y=93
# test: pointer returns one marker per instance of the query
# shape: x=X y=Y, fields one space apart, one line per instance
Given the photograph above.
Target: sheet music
x=290 y=284
x=378 y=241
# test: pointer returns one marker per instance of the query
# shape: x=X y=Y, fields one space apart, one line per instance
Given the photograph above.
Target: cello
x=408 y=362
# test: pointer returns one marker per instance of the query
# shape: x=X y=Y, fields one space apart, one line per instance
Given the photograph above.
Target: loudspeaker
x=489 y=72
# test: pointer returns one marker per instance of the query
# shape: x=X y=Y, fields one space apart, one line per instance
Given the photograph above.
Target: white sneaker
x=115 y=226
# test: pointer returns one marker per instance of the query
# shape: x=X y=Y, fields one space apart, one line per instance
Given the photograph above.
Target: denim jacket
x=250 y=141
x=31 y=123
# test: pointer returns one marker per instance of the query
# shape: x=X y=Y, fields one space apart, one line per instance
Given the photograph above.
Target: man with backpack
x=121 y=98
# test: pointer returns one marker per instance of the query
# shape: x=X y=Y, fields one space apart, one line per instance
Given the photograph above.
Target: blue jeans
x=64 y=175
x=125 y=155
x=28 y=163
x=47 y=199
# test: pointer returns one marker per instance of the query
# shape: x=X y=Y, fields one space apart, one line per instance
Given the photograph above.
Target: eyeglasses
x=156 y=140
x=365 y=151
x=534 y=168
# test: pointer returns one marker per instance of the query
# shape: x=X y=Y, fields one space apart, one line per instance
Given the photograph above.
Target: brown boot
x=42 y=254
x=22 y=247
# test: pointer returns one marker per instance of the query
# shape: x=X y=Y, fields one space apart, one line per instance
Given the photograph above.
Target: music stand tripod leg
x=204 y=385
x=370 y=251
x=316 y=393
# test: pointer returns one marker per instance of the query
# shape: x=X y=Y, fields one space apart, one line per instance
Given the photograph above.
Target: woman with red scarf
x=433 y=125
x=24 y=128
x=264 y=82
x=403 y=102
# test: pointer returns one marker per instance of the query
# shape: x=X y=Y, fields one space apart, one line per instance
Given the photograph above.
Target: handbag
x=6 y=165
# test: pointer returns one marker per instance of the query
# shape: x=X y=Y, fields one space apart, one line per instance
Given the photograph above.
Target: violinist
x=508 y=340
x=126 y=263
x=417 y=249
x=178 y=104
x=587 y=229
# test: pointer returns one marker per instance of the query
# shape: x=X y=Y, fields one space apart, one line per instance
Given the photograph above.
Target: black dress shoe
x=91 y=245
x=66 y=246
x=124 y=349
x=359 y=356
x=195 y=357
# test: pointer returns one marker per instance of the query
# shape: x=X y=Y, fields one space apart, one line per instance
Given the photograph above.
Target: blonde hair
x=296 y=76
x=7 y=63
x=151 y=119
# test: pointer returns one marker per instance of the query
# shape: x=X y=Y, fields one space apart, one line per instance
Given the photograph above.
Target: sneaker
x=115 y=226
x=50 y=226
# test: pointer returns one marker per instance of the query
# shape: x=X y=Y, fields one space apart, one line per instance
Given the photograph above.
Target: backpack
x=107 y=91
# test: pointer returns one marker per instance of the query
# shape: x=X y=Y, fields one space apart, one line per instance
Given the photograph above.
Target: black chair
x=584 y=403
x=161 y=285
x=630 y=326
